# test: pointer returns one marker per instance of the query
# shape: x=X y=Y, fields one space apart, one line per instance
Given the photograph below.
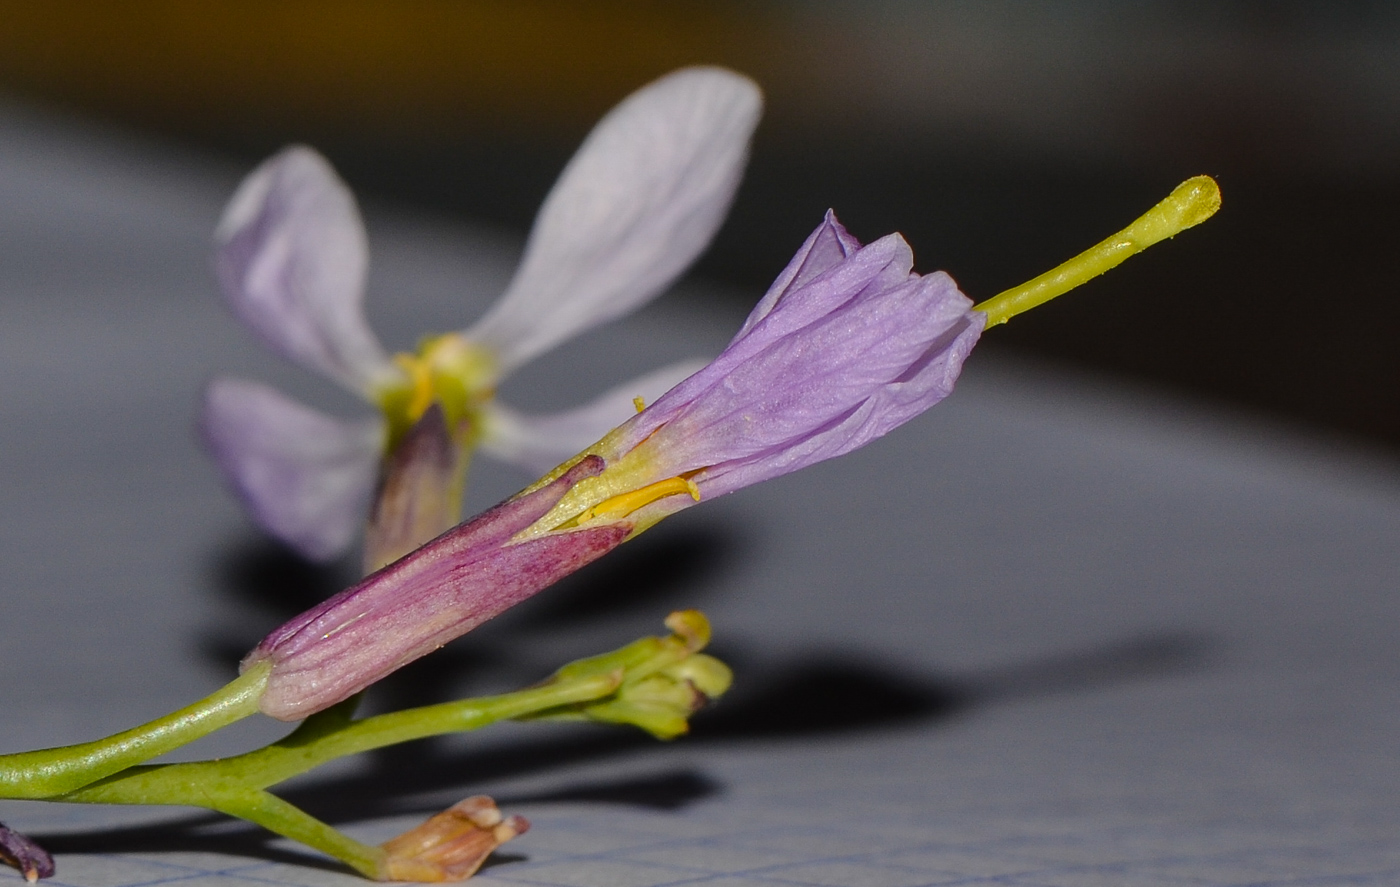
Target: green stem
x=279 y=817
x=236 y=785
x=325 y=737
x=1191 y=203
x=111 y=772
x=55 y=771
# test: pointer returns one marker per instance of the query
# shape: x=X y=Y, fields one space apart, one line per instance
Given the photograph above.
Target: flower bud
x=660 y=682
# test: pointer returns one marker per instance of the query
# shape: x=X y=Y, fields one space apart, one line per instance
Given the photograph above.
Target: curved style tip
x=1197 y=199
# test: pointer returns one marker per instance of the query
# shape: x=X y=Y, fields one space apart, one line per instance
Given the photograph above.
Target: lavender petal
x=824 y=248
x=305 y=477
x=291 y=259
x=539 y=443
x=847 y=345
x=870 y=273
x=639 y=201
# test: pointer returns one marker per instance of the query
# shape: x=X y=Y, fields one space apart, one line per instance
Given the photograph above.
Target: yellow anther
x=639 y=403
x=625 y=503
x=447 y=370
x=420 y=376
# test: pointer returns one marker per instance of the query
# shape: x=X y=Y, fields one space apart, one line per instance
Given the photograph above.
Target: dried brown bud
x=451 y=845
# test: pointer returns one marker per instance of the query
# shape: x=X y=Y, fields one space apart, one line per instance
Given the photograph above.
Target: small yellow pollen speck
x=639 y=403
x=625 y=503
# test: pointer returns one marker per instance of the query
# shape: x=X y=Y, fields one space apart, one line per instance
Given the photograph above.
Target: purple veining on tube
x=420 y=602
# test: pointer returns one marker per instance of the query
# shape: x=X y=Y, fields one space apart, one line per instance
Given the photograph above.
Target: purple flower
x=847 y=345
x=634 y=207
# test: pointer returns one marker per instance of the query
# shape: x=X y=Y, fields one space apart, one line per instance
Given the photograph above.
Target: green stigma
x=1193 y=201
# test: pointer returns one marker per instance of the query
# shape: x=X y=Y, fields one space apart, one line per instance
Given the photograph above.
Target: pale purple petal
x=305 y=477
x=878 y=268
x=639 y=201
x=848 y=345
x=416 y=604
x=291 y=260
x=773 y=409
x=824 y=248
x=539 y=443
x=927 y=381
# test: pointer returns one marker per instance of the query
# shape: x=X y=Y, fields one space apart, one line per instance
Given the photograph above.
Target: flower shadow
x=191 y=833
x=811 y=694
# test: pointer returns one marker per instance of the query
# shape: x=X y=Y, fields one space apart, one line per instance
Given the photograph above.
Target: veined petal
x=305 y=477
x=825 y=248
x=833 y=385
x=292 y=259
x=925 y=380
x=538 y=443
x=638 y=202
x=869 y=271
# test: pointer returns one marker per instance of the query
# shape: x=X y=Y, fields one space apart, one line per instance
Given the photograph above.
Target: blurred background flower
x=999 y=136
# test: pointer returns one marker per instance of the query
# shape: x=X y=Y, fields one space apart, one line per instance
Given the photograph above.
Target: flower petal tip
x=304 y=477
x=291 y=258
x=639 y=201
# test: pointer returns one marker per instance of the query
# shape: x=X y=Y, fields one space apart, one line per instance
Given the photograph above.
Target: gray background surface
x=1051 y=633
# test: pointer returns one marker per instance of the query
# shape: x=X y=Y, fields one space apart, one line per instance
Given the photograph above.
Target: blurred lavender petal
x=538 y=443
x=306 y=477
x=291 y=259
x=639 y=201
